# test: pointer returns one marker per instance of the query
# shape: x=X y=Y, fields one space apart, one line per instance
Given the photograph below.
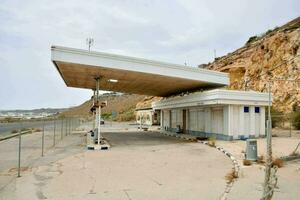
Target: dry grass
x=231 y=176
x=247 y=162
x=212 y=142
x=278 y=162
x=261 y=159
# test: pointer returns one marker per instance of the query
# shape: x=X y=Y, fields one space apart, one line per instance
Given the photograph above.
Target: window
x=257 y=110
x=246 y=109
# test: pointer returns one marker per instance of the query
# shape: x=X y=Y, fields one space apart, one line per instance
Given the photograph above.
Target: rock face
x=273 y=56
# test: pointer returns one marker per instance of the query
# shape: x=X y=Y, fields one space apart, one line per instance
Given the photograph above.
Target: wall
x=247 y=123
x=225 y=122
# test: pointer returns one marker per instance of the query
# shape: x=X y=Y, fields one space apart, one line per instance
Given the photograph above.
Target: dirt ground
x=250 y=183
x=140 y=165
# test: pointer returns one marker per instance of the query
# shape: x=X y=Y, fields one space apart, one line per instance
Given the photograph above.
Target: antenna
x=215 y=54
x=90 y=42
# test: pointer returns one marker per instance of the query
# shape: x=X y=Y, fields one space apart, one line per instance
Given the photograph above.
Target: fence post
x=290 y=128
x=19 y=156
x=62 y=128
x=54 y=132
x=43 y=137
x=66 y=126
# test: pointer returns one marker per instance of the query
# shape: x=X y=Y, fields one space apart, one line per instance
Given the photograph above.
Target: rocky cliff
x=274 y=56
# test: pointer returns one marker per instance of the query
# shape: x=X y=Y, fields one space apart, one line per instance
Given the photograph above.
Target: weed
x=212 y=141
x=278 y=162
x=247 y=162
x=14 y=131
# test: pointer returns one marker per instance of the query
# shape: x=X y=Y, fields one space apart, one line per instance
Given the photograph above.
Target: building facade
x=223 y=114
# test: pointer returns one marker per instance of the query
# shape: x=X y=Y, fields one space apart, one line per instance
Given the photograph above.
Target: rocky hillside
x=274 y=55
x=123 y=104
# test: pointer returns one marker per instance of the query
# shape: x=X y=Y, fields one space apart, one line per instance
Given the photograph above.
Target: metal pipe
x=19 y=155
x=43 y=137
x=267 y=188
x=54 y=127
x=62 y=129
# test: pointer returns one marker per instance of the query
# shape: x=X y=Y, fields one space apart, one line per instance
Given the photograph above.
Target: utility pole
x=90 y=43
x=267 y=187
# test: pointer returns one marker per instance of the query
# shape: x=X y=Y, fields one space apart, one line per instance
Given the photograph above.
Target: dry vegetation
x=247 y=162
x=212 y=142
x=231 y=176
x=278 y=162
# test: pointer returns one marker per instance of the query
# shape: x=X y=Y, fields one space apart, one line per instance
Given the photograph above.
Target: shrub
x=247 y=162
x=276 y=117
x=278 y=162
x=296 y=119
x=212 y=141
x=14 y=131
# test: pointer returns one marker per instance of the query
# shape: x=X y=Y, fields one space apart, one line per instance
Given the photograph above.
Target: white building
x=224 y=114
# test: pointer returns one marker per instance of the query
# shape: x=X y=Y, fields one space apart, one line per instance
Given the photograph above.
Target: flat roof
x=79 y=68
x=214 y=97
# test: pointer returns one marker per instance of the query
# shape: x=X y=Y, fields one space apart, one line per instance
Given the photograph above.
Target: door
x=184 y=121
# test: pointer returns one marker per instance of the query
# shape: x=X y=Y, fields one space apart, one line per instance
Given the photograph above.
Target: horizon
x=189 y=34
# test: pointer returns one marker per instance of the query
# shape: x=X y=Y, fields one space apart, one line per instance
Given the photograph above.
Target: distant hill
x=122 y=104
x=273 y=55
x=40 y=110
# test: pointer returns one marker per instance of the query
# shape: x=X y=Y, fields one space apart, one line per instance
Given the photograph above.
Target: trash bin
x=251 y=150
x=178 y=129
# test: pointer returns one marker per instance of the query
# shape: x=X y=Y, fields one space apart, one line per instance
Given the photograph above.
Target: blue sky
x=176 y=31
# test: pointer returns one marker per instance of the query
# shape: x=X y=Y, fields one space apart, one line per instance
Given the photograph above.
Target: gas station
x=195 y=101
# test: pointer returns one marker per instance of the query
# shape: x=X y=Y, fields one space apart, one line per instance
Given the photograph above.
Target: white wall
x=227 y=119
x=176 y=118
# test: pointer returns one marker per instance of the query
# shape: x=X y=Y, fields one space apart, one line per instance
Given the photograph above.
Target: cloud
x=173 y=31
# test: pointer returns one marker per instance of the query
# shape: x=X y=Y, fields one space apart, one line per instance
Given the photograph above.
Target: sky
x=176 y=31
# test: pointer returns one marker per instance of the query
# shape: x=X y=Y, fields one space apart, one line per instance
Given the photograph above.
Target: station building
x=223 y=114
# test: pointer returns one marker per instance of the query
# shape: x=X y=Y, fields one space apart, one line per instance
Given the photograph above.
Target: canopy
x=79 y=68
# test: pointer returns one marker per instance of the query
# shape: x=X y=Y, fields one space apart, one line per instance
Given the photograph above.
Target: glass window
x=246 y=109
x=257 y=109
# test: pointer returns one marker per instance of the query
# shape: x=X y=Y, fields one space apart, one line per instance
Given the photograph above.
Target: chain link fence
x=23 y=143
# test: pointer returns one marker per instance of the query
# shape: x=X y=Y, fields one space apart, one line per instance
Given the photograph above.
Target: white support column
x=262 y=121
x=241 y=121
x=161 y=119
x=227 y=120
x=208 y=120
x=252 y=120
x=98 y=110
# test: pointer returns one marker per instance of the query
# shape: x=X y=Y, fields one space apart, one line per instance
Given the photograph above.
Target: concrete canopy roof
x=79 y=68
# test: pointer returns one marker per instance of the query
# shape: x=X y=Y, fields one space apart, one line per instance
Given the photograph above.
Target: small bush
x=276 y=117
x=14 y=131
x=296 y=119
x=212 y=141
x=37 y=130
x=247 y=162
x=278 y=162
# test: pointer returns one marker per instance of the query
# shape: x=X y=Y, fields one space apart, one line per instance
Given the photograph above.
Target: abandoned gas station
x=195 y=100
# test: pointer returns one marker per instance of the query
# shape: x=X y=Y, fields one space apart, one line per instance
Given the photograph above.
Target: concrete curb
x=236 y=167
